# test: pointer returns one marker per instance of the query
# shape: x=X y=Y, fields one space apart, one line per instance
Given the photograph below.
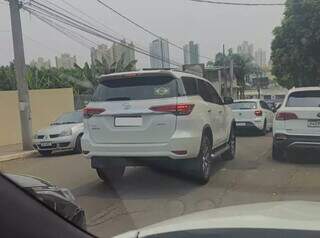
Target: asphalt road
x=145 y=196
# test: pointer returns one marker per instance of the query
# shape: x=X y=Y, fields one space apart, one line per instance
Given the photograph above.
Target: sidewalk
x=12 y=152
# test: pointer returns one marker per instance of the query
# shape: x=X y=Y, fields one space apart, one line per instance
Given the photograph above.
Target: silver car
x=64 y=134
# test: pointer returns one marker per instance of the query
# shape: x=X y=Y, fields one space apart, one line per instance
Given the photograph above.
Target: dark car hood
x=28 y=181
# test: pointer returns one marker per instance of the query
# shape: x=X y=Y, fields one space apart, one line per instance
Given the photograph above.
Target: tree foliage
x=296 y=45
x=243 y=66
x=81 y=79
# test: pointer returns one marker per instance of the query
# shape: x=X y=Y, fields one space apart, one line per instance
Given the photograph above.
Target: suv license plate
x=241 y=124
x=128 y=121
x=46 y=144
x=313 y=123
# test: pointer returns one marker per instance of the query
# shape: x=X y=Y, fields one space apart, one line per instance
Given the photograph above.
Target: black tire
x=231 y=152
x=202 y=167
x=77 y=149
x=111 y=174
x=264 y=130
x=45 y=152
x=278 y=154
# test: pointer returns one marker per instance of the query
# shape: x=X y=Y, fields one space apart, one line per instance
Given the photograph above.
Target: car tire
x=77 y=148
x=264 y=130
x=231 y=152
x=111 y=174
x=45 y=152
x=202 y=165
x=278 y=154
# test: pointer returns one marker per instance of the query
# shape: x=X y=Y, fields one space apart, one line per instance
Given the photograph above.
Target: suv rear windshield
x=136 y=88
x=243 y=105
x=304 y=99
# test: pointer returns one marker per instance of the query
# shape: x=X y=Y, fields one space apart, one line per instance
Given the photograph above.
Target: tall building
x=41 y=63
x=191 y=53
x=159 y=51
x=114 y=53
x=246 y=49
x=99 y=53
x=260 y=58
x=65 y=61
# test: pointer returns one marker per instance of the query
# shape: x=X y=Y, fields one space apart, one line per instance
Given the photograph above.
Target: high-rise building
x=191 y=53
x=65 y=61
x=260 y=58
x=114 y=53
x=246 y=49
x=41 y=63
x=159 y=51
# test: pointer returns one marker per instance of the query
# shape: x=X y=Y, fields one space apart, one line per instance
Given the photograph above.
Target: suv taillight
x=180 y=109
x=286 y=116
x=90 y=111
x=258 y=113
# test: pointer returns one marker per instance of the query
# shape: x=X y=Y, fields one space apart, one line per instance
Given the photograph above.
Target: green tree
x=296 y=45
x=243 y=66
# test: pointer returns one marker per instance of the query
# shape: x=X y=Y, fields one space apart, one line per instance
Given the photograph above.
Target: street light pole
x=20 y=67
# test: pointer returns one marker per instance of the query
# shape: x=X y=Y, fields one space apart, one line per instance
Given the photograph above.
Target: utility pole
x=20 y=67
x=231 y=77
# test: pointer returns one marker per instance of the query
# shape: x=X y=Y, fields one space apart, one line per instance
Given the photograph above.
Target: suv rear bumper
x=143 y=151
x=292 y=142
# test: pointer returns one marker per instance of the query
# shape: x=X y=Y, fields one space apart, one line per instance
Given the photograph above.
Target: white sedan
x=253 y=114
x=64 y=134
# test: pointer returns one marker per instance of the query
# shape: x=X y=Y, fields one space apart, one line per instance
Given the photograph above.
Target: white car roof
x=303 y=89
x=176 y=73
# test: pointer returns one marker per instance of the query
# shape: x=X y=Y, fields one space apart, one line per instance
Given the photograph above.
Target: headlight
x=66 y=133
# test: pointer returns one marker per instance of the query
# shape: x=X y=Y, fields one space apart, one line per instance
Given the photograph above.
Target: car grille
x=54 y=135
x=40 y=136
x=47 y=147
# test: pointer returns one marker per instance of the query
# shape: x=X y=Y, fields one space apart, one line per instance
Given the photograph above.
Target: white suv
x=253 y=114
x=157 y=116
x=297 y=122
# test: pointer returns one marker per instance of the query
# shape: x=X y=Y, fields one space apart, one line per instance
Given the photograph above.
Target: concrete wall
x=46 y=106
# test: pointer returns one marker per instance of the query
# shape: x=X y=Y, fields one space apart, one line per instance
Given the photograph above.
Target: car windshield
x=243 y=105
x=69 y=118
x=140 y=112
x=304 y=99
x=136 y=88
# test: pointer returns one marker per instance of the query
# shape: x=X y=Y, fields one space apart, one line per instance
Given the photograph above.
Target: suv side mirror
x=228 y=100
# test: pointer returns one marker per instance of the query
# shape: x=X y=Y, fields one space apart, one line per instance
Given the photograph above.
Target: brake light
x=180 y=109
x=258 y=113
x=286 y=116
x=90 y=111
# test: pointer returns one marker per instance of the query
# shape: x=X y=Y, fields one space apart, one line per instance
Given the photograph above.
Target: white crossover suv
x=157 y=116
x=252 y=114
x=297 y=122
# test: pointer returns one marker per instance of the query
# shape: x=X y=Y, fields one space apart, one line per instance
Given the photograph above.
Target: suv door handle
x=209 y=110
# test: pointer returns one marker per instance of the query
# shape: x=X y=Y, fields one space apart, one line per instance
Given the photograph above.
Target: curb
x=20 y=155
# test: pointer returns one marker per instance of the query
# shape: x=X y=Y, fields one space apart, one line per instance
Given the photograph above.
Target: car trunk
x=127 y=117
x=307 y=122
x=244 y=115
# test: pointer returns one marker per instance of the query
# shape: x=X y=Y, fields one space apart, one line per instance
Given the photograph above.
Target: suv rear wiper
x=119 y=99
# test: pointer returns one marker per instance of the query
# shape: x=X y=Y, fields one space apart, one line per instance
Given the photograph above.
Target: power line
x=144 y=28
x=238 y=3
x=48 y=12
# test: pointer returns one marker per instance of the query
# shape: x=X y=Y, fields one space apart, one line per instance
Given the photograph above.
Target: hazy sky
x=178 y=20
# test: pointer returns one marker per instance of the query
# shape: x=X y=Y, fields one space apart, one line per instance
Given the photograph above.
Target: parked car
x=297 y=122
x=64 y=134
x=161 y=116
x=271 y=219
x=60 y=200
x=253 y=114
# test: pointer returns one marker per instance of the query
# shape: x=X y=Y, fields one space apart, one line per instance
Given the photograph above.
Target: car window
x=304 y=99
x=215 y=96
x=190 y=86
x=70 y=117
x=136 y=88
x=264 y=105
x=243 y=105
x=205 y=91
